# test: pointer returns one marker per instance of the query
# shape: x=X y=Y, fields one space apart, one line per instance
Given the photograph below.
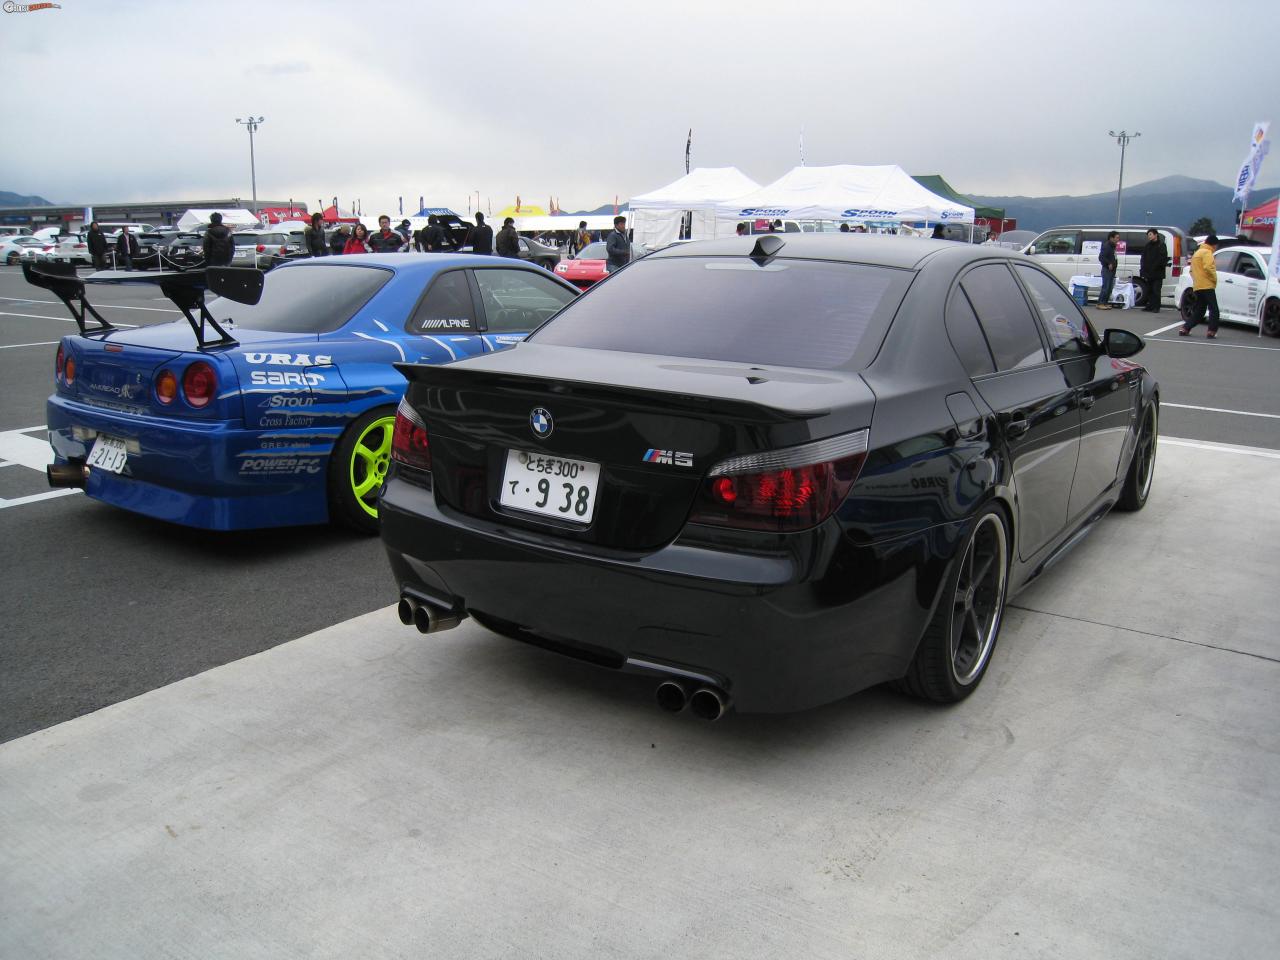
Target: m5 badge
x=677 y=458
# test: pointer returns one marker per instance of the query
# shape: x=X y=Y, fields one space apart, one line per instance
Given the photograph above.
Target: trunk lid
x=655 y=426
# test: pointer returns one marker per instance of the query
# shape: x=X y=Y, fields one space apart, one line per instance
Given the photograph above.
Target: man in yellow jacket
x=1204 y=281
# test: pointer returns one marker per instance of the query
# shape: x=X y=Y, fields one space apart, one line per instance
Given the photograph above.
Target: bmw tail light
x=782 y=490
x=409 y=442
x=58 y=363
x=199 y=384
x=166 y=387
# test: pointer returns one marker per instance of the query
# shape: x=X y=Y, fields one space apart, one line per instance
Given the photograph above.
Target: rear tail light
x=409 y=442
x=199 y=384
x=284 y=249
x=782 y=490
x=261 y=248
x=1176 y=259
x=69 y=371
x=58 y=362
x=166 y=387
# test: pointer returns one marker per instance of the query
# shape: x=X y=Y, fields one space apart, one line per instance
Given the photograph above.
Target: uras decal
x=289 y=359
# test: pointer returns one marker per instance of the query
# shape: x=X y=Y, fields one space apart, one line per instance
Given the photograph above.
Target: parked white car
x=1245 y=294
x=72 y=248
x=16 y=248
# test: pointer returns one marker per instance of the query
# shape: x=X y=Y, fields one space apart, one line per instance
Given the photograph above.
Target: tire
x=1139 y=292
x=357 y=467
x=1142 y=465
x=11 y=259
x=956 y=647
x=1271 y=318
x=1187 y=308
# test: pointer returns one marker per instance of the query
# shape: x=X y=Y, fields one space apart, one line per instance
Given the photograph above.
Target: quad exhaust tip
x=672 y=696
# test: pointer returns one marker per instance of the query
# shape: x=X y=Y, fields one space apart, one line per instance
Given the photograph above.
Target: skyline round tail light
x=58 y=362
x=782 y=490
x=410 y=444
x=199 y=383
x=261 y=248
x=166 y=387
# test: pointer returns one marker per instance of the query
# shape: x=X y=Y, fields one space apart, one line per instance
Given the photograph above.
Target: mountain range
x=1175 y=201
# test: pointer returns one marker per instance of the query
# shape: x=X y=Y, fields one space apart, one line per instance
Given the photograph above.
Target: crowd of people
x=433 y=238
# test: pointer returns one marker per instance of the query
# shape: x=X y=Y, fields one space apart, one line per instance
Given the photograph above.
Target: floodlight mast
x=1122 y=138
x=252 y=123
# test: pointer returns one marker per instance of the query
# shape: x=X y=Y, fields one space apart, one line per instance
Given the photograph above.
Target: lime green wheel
x=358 y=467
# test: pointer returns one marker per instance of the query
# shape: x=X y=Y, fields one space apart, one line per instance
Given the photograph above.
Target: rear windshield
x=796 y=313
x=305 y=299
x=245 y=239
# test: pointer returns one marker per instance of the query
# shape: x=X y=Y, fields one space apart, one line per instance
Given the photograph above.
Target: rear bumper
x=780 y=632
x=215 y=475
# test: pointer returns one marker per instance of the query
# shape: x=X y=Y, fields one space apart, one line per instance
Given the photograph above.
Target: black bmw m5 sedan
x=771 y=471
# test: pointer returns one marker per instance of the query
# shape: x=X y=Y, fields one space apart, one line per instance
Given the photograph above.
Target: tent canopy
x=234 y=217
x=1261 y=216
x=845 y=192
x=332 y=214
x=656 y=216
x=434 y=212
x=934 y=183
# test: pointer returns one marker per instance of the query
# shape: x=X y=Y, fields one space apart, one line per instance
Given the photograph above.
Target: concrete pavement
x=1109 y=791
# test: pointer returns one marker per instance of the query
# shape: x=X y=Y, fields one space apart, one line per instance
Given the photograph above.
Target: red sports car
x=587 y=268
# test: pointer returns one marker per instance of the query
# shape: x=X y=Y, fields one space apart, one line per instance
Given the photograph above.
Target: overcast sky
x=130 y=99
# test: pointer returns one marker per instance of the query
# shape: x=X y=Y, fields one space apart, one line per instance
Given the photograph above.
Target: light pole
x=252 y=123
x=1122 y=138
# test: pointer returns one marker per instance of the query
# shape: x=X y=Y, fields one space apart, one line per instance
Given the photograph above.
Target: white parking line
x=1238 y=413
x=1187 y=341
x=42 y=343
x=99 y=306
x=41 y=316
x=1152 y=333
x=37 y=497
x=1222 y=447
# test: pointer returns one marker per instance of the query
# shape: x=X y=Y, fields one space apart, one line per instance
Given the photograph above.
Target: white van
x=1072 y=251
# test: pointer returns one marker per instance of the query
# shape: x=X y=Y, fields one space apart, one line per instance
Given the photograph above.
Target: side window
x=1225 y=261
x=518 y=300
x=1135 y=241
x=966 y=336
x=1005 y=318
x=447 y=306
x=1248 y=267
x=1059 y=241
x=1068 y=331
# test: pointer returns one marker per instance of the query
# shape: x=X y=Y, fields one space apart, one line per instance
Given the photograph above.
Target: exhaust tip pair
x=708 y=703
x=427 y=617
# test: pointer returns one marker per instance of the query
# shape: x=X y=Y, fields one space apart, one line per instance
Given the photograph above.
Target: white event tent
x=656 y=216
x=231 y=218
x=844 y=192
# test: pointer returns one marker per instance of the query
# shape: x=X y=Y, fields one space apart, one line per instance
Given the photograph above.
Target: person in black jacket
x=481 y=236
x=338 y=240
x=1155 y=258
x=218 y=246
x=617 y=246
x=1107 y=257
x=126 y=248
x=433 y=236
x=385 y=240
x=317 y=246
x=97 y=242
x=508 y=239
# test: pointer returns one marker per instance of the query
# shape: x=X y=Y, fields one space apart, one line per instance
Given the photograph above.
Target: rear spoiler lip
x=185 y=289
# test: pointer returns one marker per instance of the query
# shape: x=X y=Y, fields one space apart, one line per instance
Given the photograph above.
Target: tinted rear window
x=797 y=313
x=305 y=299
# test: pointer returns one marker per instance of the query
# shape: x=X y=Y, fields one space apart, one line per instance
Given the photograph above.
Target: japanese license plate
x=551 y=486
x=108 y=454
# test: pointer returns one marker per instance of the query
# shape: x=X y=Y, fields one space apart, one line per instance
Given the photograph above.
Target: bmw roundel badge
x=540 y=422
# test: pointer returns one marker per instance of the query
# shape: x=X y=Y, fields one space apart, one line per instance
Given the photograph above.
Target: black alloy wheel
x=1188 y=308
x=1271 y=318
x=1142 y=468
x=956 y=647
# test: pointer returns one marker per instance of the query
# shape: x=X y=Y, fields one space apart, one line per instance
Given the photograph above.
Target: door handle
x=1016 y=428
x=1087 y=400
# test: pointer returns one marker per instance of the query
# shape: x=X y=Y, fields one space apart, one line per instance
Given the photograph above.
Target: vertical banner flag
x=688 y=150
x=88 y=215
x=802 y=146
x=1258 y=147
x=401 y=201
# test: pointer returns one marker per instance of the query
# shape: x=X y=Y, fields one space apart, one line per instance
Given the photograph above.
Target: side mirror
x=241 y=284
x=1119 y=344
